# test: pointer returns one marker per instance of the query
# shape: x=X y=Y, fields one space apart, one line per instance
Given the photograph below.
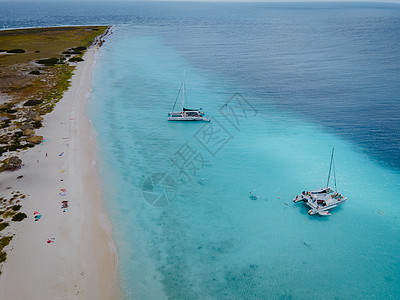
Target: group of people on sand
x=64 y=203
x=37 y=216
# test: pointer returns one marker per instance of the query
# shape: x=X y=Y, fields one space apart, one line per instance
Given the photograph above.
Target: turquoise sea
x=282 y=85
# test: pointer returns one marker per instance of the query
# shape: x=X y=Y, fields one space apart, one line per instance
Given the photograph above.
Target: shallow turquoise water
x=212 y=241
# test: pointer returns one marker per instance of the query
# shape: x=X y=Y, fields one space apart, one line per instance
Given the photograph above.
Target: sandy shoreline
x=81 y=263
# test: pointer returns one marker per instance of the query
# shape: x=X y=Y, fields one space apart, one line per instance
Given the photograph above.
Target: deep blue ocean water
x=283 y=84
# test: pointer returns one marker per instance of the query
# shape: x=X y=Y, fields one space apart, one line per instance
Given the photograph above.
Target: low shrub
x=11 y=111
x=3 y=257
x=80 y=48
x=34 y=72
x=48 y=61
x=72 y=52
x=16 y=207
x=8 y=214
x=37 y=124
x=3 y=225
x=2 y=150
x=16 y=51
x=4 y=241
x=14 y=147
x=19 y=217
x=17 y=134
x=75 y=59
x=7 y=106
x=32 y=102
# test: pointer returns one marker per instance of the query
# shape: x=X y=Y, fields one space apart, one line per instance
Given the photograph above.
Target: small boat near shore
x=322 y=200
x=186 y=114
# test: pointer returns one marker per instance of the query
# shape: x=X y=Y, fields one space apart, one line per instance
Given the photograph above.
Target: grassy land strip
x=36 y=67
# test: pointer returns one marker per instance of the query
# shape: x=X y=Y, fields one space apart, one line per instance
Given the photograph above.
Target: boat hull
x=187 y=118
x=320 y=202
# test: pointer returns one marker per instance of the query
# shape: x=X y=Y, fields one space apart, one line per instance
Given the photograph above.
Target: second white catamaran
x=322 y=200
x=186 y=114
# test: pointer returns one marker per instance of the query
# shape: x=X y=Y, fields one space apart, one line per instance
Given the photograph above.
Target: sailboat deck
x=323 y=199
x=320 y=203
x=186 y=114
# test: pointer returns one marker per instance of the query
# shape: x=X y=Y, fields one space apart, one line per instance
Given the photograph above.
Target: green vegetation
x=3 y=225
x=14 y=147
x=41 y=43
x=17 y=134
x=8 y=214
x=5 y=123
x=16 y=207
x=75 y=59
x=19 y=217
x=52 y=96
x=48 y=61
x=43 y=46
x=37 y=124
x=5 y=107
x=3 y=257
x=4 y=241
x=80 y=48
x=32 y=102
x=16 y=51
x=72 y=52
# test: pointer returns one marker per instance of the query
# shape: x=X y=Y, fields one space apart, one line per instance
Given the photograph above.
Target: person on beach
x=37 y=216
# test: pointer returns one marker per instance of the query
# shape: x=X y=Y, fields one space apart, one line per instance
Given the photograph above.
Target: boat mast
x=334 y=174
x=330 y=168
x=183 y=89
x=176 y=99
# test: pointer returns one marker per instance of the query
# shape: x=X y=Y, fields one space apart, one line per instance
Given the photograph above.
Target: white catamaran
x=322 y=200
x=186 y=114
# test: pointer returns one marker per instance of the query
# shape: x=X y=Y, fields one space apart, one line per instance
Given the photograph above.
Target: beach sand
x=81 y=260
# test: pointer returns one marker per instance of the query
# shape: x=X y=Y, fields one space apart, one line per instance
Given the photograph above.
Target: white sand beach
x=80 y=262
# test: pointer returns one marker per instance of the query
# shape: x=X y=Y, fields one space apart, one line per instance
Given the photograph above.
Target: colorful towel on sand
x=43 y=141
